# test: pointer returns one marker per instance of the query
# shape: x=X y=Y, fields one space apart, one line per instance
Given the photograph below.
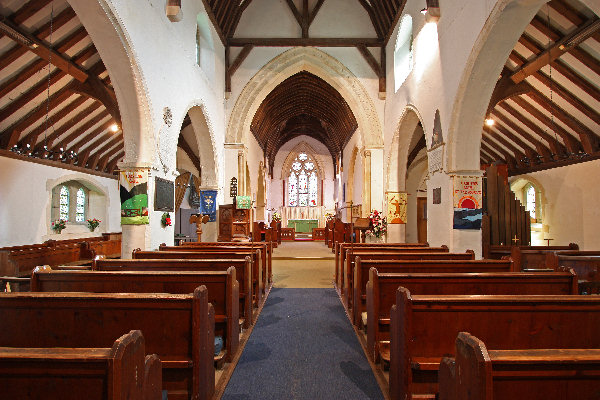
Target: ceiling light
x=489 y=122
x=114 y=128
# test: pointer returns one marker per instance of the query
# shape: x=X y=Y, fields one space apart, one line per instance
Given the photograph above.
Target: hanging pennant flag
x=134 y=196
x=208 y=204
x=396 y=207
x=468 y=202
x=243 y=202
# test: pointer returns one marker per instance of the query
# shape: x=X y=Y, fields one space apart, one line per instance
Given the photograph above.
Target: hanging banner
x=468 y=202
x=396 y=207
x=134 y=196
x=208 y=204
x=243 y=202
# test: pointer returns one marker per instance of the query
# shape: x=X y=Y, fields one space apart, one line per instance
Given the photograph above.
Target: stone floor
x=303 y=264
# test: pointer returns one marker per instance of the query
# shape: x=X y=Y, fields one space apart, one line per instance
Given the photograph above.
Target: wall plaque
x=164 y=195
x=437 y=195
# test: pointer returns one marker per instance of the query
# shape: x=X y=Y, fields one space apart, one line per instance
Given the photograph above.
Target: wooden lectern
x=199 y=219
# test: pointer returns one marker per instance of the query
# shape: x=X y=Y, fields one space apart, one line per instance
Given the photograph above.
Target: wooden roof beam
x=213 y=19
x=542 y=151
x=185 y=146
x=379 y=31
x=305 y=42
x=112 y=164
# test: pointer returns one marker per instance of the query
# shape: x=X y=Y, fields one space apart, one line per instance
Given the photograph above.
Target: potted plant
x=93 y=224
x=378 y=226
x=59 y=225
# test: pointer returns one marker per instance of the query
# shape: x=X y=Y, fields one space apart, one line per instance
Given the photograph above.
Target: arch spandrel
x=317 y=63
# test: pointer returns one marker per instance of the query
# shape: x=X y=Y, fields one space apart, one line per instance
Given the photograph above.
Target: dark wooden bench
x=478 y=373
x=266 y=252
x=496 y=252
x=223 y=292
x=358 y=277
x=242 y=272
x=120 y=372
x=586 y=265
x=339 y=250
x=381 y=292
x=424 y=327
x=258 y=277
x=179 y=328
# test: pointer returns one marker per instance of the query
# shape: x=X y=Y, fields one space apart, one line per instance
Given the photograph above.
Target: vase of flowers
x=276 y=217
x=59 y=225
x=165 y=220
x=378 y=227
x=93 y=224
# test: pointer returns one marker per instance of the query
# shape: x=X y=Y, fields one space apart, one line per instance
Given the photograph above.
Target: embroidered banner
x=396 y=207
x=468 y=205
x=243 y=202
x=208 y=204
x=134 y=196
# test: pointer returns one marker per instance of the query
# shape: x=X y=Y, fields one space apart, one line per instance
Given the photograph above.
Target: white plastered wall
x=570 y=203
x=26 y=199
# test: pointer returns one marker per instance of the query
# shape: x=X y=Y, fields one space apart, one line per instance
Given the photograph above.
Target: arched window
x=80 y=207
x=532 y=202
x=303 y=182
x=403 y=52
x=64 y=203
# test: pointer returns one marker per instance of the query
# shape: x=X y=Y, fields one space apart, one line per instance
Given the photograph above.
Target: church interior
x=300 y=199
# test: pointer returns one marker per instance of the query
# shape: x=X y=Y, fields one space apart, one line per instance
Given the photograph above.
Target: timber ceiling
x=55 y=92
x=546 y=103
x=303 y=104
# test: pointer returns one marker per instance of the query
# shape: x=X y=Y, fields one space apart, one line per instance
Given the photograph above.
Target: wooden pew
x=242 y=273
x=258 y=277
x=423 y=329
x=360 y=272
x=120 y=372
x=496 y=252
x=339 y=250
x=381 y=291
x=478 y=373
x=223 y=291
x=389 y=253
x=179 y=328
x=266 y=250
x=586 y=265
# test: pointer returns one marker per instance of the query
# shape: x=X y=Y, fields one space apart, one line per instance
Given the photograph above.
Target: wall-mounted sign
x=468 y=205
x=133 y=185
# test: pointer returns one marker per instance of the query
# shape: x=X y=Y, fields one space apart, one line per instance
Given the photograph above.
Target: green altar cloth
x=303 y=225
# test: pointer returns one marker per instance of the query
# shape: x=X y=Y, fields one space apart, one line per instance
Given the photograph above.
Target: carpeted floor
x=303 y=265
x=302 y=347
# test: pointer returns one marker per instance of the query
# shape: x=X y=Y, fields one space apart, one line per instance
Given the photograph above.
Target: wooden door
x=422 y=219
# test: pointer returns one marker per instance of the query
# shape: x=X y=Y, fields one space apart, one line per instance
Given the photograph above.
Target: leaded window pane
x=80 y=208
x=303 y=199
x=293 y=190
x=312 y=189
x=303 y=183
x=302 y=157
x=64 y=203
x=530 y=203
x=297 y=166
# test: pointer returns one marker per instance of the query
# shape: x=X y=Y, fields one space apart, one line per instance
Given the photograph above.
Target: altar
x=303 y=225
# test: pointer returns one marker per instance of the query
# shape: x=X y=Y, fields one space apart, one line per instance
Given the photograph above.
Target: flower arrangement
x=329 y=216
x=165 y=220
x=276 y=217
x=378 y=224
x=59 y=225
x=93 y=223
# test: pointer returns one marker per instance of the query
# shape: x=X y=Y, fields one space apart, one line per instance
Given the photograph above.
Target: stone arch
x=356 y=156
x=505 y=24
x=317 y=63
x=542 y=225
x=111 y=39
x=398 y=153
x=206 y=145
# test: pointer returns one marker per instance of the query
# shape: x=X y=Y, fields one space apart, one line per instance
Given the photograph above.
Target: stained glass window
x=80 y=208
x=64 y=203
x=303 y=182
x=530 y=201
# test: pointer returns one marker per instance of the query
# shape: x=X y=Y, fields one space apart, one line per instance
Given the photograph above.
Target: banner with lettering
x=243 y=202
x=134 y=196
x=208 y=204
x=396 y=207
x=468 y=202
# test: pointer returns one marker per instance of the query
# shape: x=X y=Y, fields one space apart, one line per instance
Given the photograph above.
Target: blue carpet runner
x=303 y=347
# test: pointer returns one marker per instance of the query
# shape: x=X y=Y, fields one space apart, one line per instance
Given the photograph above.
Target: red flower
x=168 y=221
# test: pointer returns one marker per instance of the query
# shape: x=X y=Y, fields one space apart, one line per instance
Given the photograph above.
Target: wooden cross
x=548 y=240
x=199 y=219
x=515 y=240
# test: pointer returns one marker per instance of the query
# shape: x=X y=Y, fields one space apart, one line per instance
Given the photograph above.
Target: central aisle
x=303 y=347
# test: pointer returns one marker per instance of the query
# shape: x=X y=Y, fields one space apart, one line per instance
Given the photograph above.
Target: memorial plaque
x=437 y=195
x=164 y=195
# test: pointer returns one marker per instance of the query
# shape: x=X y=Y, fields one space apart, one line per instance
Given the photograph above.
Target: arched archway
x=317 y=63
x=206 y=146
x=112 y=41
x=353 y=181
x=504 y=26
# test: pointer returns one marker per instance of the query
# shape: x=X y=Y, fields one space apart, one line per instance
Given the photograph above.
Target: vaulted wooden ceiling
x=303 y=104
x=56 y=98
x=546 y=105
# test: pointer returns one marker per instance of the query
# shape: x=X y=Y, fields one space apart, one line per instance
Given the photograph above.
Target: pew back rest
x=22 y=262
x=585 y=264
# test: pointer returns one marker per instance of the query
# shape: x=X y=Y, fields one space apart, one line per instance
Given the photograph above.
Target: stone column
x=241 y=173
x=366 y=208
